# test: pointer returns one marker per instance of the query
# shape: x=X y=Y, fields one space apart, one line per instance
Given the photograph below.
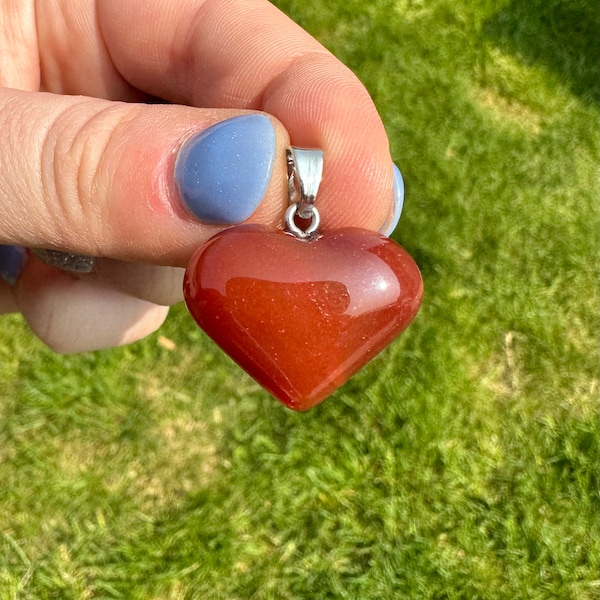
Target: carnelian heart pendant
x=301 y=316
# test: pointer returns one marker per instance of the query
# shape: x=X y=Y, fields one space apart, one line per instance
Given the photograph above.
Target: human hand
x=88 y=157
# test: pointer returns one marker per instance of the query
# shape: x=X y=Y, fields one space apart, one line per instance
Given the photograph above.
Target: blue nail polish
x=12 y=261
x=223 y=172
x=392 y=221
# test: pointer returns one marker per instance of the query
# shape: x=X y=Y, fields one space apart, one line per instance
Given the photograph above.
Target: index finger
x=248 y=54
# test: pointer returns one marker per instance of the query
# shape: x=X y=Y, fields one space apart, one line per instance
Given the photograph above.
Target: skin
x=87 y=152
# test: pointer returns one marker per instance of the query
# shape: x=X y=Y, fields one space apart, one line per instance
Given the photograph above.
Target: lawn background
x=461 y=463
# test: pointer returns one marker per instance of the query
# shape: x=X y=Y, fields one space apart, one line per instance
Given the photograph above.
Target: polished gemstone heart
x=302 y=316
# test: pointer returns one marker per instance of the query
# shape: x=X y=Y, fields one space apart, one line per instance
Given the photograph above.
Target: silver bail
x=305 y=171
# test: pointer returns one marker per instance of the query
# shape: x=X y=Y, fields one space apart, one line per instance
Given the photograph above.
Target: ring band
x=65 y=261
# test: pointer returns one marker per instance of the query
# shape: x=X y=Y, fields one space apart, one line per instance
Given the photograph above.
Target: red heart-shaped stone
x=302 y=316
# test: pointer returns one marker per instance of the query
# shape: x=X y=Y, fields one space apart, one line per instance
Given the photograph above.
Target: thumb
x=134 y=182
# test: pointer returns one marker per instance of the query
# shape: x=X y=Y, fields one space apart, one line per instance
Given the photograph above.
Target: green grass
x=462 y=463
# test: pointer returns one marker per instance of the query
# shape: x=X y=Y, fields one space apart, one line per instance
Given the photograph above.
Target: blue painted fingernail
x=393 y=219
x=223 y=172
x=12 y=261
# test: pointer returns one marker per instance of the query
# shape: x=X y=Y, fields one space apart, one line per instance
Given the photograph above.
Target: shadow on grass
x=562 y=36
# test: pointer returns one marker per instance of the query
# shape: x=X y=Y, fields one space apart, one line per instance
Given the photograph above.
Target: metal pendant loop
x=290 y=222
x=305 y=170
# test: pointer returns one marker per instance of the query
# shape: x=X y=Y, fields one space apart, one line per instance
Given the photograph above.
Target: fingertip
x=73 y=314
x=148 y=319
x=193 y=176
x=157 y=285
x=325 y=106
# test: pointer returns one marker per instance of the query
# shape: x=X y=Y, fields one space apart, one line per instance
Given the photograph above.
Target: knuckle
x=75 y=182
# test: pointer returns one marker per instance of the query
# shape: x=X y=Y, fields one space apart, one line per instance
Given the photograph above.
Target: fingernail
x=12 y=261
x=389 y=226
x=223 y=172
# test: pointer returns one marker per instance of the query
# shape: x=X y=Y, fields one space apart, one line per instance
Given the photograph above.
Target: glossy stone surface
x=301 y=317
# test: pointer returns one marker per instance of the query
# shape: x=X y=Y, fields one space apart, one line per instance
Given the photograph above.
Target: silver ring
x=291 y=226
x=65 y=261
